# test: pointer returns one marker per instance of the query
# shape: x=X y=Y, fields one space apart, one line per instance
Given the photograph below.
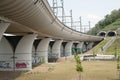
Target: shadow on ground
x=10 y=75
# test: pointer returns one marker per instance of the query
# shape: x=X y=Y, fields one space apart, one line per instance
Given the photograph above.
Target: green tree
x=108 y=19
x=79 y=67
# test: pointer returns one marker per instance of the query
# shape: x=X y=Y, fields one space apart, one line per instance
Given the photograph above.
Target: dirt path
x=93 y=70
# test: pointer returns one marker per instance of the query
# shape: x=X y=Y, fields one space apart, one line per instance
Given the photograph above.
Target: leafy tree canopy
x=108 y=19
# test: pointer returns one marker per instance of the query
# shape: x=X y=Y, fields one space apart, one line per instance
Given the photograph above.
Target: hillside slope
x=109 y=22
x=98 y=47
x=114 y=26
x=114 y=48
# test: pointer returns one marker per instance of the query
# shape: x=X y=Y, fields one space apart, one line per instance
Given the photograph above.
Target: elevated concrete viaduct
x=35 y=35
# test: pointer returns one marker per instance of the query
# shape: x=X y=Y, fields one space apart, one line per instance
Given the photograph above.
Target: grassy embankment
x=114 y=26
x=114 y=48
x=98 y=47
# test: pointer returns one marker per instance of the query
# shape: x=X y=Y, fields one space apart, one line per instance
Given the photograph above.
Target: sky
x=89 y=10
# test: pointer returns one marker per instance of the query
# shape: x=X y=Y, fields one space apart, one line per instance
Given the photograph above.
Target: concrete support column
x=42 y=50
x=80 y=46
x=3 y=27
x=62 y=51
x=33 y=54
x=90 y=45
x=23 y=53
x=6 y=53
x=56 y=49
x=68 y=49
x=49 y=51
x=84 y=47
